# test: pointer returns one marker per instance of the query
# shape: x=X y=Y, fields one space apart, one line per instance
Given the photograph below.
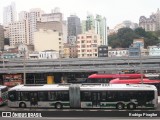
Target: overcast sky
x=115 y=11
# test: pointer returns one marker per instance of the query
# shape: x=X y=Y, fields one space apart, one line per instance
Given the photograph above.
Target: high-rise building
x=74 y=25
x=74 y=28
x=31 y=19
x=90 y=23
x=97 y=24
x=9 y=14
x=17 y=33
x=34 y=16
x=152 y=23
x=101 y=28
x=1 y=38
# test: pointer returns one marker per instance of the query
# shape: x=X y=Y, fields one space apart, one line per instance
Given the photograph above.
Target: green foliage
x=124 y=37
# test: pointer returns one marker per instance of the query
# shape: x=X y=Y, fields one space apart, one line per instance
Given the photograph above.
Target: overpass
x=113 y=64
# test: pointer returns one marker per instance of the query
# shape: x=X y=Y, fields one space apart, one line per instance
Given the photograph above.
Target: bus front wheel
x=22 y=105
x=58 y=105
x=120 y=106
x=131 y=106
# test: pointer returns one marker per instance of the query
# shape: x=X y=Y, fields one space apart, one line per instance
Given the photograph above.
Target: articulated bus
x=105 y=78
x=119 y=96
x=3 y=94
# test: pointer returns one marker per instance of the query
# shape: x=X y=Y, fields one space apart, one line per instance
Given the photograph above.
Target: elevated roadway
x=80 y=65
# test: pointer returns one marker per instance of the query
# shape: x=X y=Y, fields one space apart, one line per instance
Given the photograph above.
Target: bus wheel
x=131 y=106
x=58 y=105
x=22 y=105
x=120 y=106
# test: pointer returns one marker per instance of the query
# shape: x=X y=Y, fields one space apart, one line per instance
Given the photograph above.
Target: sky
x=115 y=11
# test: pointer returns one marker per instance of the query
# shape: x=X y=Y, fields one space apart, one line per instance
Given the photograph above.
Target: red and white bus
x=105 y=78
x=3 y=94
x=137 y=81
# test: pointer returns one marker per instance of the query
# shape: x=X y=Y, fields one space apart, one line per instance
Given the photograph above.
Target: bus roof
x=83 y=87
x=2 y=86
x=115 y=76
x=132 y=81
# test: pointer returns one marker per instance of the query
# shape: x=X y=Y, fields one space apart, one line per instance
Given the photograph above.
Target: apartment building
x=87 y=44
x=17 y=33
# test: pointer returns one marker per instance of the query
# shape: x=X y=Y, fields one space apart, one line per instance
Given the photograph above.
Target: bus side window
x=103 y=96
x=51 y=96
x=111 y=96
x=25 y=96
x=42 y=96
x=85 y=96
x=12 y=96
x=65 y=96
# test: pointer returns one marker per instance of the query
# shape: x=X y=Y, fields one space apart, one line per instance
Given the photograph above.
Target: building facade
x=9 y=14
x=53 y=21
x=154 y=50
x=47 y=39
x=87 y=44
x=118 y=52
x=103 y=51
x=98 y=24
x=1 y=38
x=74 y=27
x=31 y=19
x=17 y=33
x=70 y=50
x=152 y=23
x=49 y=54
x=54 y=16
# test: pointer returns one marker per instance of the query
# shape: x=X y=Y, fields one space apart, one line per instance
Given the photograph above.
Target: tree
x=124 y=37
x=140 y=32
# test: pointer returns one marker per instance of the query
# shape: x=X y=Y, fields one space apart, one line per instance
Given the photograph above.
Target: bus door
x=95 y=99
x=33 y=99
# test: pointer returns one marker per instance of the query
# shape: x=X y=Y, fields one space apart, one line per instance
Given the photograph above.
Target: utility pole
x=3 y=59
x=141 y=64
x=24 y=66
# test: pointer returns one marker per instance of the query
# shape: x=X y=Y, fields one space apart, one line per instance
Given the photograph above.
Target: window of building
x=89 y=36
